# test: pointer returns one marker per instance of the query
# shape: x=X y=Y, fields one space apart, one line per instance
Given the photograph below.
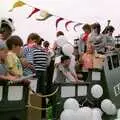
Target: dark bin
x=13 y=100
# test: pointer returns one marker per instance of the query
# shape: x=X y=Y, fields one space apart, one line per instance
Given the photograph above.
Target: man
x=63 y=73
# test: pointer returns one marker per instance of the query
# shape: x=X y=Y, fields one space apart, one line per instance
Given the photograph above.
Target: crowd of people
x=36 y=57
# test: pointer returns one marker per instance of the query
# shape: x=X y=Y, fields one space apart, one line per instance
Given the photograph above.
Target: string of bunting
x=44 y=15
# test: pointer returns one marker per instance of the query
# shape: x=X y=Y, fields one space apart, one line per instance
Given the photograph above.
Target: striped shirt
x=28 y=53
x=97 y=41
x=40 y=59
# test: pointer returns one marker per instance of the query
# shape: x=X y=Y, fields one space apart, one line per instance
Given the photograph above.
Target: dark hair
x=96 y=26
x=33 y=36
x=64 y=57
x=46 y=44
x=108 y=29
x=59 y=33
x=14 y=40
x=86 y=27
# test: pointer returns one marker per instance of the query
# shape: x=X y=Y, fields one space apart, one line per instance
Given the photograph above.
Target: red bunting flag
x=58 y=20
x=66 y=24
x=35 y=10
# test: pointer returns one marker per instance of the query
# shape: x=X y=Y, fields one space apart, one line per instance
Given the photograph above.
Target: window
x=115 y=61
x=109 y=63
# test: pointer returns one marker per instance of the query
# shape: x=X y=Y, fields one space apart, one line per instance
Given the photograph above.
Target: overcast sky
x=86 y=11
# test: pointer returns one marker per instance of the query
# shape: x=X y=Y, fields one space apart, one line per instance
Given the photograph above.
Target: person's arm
x=27 y=64
x=67 y=74
x=54 y=46
x=7 y=77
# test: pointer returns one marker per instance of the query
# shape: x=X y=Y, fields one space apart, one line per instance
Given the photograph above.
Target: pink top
x=87 y=61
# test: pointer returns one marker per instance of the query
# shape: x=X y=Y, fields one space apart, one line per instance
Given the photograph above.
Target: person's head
x=86 y=28
x=65 y=60
x=6 y=28
x=3 y=50
x=59 y=33
x=33 y=38
x=110 y=30
x=96 y=28
x=14 y=43
x=46 y=44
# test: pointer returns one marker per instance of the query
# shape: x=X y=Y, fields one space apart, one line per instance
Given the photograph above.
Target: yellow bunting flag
x=17 y=4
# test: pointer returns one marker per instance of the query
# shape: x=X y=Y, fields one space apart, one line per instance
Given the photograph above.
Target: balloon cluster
x=72 y=111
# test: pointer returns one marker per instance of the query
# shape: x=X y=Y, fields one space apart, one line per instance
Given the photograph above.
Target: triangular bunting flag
x=17 y=4
x=58 y=20
x=66 y=24
x=33 y=12
x=43 y=16
x=76 y=26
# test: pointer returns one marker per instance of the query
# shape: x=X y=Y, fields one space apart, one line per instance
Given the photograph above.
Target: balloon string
x=86 y=100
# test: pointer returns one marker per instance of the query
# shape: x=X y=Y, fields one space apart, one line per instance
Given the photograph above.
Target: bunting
x=58 y=20
x=17 y=4
x=76 y=25
x=35 y=10
x=66 y=24
x=44 y=15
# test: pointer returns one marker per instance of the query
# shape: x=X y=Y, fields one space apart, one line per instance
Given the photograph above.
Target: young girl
x=91 y=59
x=87 y=58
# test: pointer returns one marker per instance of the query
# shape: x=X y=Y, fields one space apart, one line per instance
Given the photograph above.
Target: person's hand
x=25 y=63
x=74 y=82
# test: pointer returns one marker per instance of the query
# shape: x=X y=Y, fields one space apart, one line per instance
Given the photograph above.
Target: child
x=91 y=59
x=14 y=44
x=3 y=69
x=32 y=42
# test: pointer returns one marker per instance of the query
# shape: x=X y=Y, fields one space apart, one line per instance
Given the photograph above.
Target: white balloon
x=108 y=107
x=97 y=91
x=67 y=49
x=112 y=110
x=61 y=40
x=96 y=114
x=71 y=103
x=98 y=110
x=67 y=114
x=84 y=113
